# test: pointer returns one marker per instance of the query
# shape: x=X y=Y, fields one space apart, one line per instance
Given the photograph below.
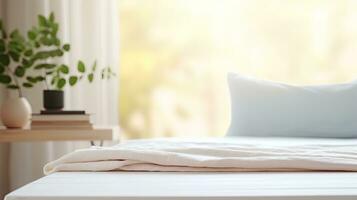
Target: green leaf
x=27 y=85
x=54 y=79
x=66 y=47
x=2 y=69
x=31 y=35
x=35 y=79
x=49 y=66
x=57 y=42
x=4 y=59
x=2 y=31
x=52 y=17
x=57 y=52
x=2 y=45
x=64 y=69
x=81 y=67
x=42 y=20
x=45 y=66
x=90 y=77
x=47 y=54
x=94 y=67
x=14 y=34
x=73 y=80
x=28 y=52
x=15 y=56
x=61 y=83
x=49 y=72
x=12 y=86
x=5 y=79
x=53 y=40
x=31 y=79
x=44 y=31
x=37 y=44
x=42 y=55
x=46 y=41
x=3 y=34
x=54 y=27
x=27 y=63
x=15 y=46
x=20 y=71
x=40 y=78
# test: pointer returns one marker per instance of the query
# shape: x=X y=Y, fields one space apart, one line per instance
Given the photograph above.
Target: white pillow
x=265 y=108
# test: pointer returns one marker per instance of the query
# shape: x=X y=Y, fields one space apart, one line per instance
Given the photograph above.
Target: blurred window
x=175 y=55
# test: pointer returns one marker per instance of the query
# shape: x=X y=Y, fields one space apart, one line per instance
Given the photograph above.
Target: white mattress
x=193 y=185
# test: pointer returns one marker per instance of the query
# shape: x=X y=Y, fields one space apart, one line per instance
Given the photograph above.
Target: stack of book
x=63 y=120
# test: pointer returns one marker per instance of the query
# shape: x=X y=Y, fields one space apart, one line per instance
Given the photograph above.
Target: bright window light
x=175 y=55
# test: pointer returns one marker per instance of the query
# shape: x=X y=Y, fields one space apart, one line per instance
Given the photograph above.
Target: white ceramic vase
x=16 y=112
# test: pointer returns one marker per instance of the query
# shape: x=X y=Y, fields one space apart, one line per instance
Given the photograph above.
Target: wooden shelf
x=21 y=135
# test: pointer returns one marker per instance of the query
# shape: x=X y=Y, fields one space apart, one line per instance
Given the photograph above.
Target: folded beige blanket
x=226 y=155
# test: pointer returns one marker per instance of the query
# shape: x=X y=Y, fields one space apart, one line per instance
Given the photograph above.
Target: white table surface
x=192 y=185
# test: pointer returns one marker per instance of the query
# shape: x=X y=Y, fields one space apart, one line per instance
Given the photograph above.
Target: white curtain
x=91 y=27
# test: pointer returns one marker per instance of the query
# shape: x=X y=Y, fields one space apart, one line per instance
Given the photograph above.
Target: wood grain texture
x=20 y=135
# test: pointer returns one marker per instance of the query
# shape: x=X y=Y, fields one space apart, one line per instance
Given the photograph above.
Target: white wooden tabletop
x=31 y=135
x=191 y=185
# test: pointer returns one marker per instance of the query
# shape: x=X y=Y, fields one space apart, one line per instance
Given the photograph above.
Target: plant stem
x=47 y=87
x=16 y=81
x=19 y=89
x=46 y=84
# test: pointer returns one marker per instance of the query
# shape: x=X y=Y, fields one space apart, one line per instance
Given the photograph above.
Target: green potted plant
x=57 y=75
x=35 y=53
x=15 y=111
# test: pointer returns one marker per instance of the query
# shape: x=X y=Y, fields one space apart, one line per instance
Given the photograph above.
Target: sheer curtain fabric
x=91 y=27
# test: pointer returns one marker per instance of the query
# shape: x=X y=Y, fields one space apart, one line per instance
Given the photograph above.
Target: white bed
x=193 y=185
x=198 y=185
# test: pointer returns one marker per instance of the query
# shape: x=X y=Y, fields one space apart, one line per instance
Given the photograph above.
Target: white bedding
x=214 y=155
x=199 y=185
x=191 y=186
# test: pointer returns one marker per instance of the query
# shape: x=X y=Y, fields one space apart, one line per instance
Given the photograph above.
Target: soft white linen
x=191 y=186
x=221 y=155
x=266 y=108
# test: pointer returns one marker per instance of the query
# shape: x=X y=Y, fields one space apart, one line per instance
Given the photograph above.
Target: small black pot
x=53 y=99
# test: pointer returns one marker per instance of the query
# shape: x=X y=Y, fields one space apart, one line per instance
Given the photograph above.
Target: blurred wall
x=4 y=148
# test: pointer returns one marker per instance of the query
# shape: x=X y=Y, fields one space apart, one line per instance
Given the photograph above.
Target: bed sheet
x=191 y=186
x=198 y=185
